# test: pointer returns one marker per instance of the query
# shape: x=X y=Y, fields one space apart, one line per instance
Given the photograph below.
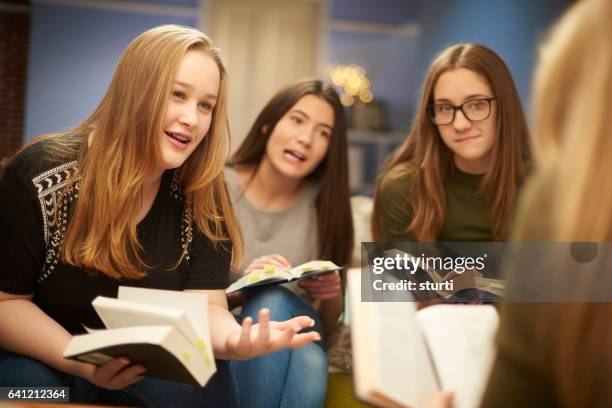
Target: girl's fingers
x=274 y=259
x=318 y=284
x=284 y=340
x=321 y=280
x=261 y=262
x=236 y=298
x=322 y=289
x=245 y=334
x=263 y=337
x=331 y=289
x=283 y=262
x=128 y=376
x=108 y=370
x=254 y=266
x=441 y=399
x=303 y=339
x=301 y=321
x=332 y=276
x=325 y=296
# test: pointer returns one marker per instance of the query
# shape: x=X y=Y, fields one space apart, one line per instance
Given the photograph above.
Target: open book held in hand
x=166 y=331
x=402 y=356
x=462 y=280
x=272 y=274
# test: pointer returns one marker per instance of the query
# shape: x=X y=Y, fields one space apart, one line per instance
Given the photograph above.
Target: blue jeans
x=287 y=378
x=17 y=370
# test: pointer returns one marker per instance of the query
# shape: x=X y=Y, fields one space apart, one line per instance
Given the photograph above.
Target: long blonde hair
x=572 y=90
x=573 y=147
x=430 y=160
x=127 y=124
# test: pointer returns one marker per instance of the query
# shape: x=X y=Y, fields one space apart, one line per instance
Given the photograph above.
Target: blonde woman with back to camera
x=560 y=354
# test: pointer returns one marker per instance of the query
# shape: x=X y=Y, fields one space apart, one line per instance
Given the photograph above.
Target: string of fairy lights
x=354 y=83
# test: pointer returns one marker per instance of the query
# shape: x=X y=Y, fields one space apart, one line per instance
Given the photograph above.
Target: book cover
x=166 y=340
x=271 y=274
x=462 y=281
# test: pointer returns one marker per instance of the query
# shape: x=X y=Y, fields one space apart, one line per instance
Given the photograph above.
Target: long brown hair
x=333 y=206
x=572 y=88
x=430 y=161
x=101 y=235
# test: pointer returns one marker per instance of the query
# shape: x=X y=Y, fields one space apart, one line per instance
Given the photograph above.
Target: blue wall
x=397 y=64
x=513 y=29
x=379 y=11
x=73 y=53
x=74 y=49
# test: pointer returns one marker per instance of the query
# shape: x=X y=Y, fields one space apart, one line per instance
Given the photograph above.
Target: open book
x=401 y=356
x=461 y=281
x=274 y=274
x=166 y=331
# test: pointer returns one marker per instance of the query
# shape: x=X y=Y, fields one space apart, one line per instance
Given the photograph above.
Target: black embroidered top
x=33 y=220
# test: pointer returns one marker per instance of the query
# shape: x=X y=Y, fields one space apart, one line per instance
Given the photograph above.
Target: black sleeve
x=209 y=265
x=22 y=246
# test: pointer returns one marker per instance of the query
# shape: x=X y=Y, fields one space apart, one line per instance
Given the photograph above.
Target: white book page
x=460 y=338
x=124 y=335
x=405 y=368
x=195 y=305
x=269 y=274
x=313 y=267
x=118 y=313
x=391 y=361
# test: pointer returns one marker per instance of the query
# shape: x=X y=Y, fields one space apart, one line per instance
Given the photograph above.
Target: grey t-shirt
x=291 y=232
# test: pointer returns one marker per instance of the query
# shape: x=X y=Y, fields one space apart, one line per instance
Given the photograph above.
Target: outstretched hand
x=253 y=340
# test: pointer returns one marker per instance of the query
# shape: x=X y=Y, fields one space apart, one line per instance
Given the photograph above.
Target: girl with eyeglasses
x=457 y=175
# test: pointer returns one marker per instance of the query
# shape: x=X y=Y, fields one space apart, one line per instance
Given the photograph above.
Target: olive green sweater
x=465 y=217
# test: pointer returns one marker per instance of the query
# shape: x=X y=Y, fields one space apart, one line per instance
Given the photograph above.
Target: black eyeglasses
x=474 y=110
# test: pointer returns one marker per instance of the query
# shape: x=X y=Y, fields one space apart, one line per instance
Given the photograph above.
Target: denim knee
x=283 y=304
x=17 y=370
x=312 y=360
x=306 y=381
x=288 y=378
x=220 y=391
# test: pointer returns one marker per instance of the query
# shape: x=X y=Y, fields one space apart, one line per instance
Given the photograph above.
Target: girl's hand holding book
x=262 y=261
x=114 y=374
x=322 y=287
x=253 y=340
x=236 y=299
x=441 y=399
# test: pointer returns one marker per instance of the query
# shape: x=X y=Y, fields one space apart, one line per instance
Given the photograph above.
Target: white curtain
x=266 y=44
